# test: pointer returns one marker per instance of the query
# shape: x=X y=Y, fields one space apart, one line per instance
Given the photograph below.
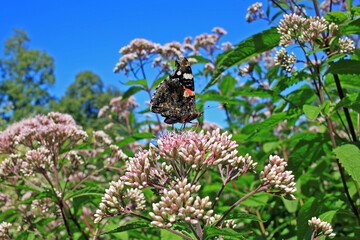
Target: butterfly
x=174 y=98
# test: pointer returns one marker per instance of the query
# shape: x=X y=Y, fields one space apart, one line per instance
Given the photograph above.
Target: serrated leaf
x=325 y=107
x=349 y=157
x=352 y=101
x=141 y=82
x=211 y=231
x=243 y=51
x=311 y=112
x=133 y=138
x=130 y=226
x=338 y=17
x=87 y=191
x=131 y=91
x=252 y=92
x=221 y=99
x=227 y=84
x=344 y=66
x=352 y=27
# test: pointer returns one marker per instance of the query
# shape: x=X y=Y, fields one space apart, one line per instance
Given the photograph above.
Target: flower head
x=275 y=177
x=321 y=228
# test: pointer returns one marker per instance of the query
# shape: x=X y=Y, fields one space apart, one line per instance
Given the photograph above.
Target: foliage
x=25 y=76
x=200 y=184
x=84 y=98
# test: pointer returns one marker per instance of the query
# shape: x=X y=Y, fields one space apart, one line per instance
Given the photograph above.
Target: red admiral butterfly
x=174 y=98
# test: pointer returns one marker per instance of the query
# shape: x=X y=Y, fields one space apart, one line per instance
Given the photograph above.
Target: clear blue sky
x=87 y=35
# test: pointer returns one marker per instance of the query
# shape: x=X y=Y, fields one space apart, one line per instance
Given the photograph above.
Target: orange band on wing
x=188 y=91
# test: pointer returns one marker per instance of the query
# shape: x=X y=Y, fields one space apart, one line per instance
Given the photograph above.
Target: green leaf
x=352 y=27
x=351 y=101
x=338 y=17
x=252 y=92
x=87 y=191
x=355 y=11
x=311 y=112
x=349 y=157
x=351 y=81
x=130 y=226
x=212 y=231
x=221 y=99
x=142 y=82
x=131 y=91
x=248 y=48
x=227 y=84
x=133 y=138
x=310 y=209
x=325 y=107
x=165 y=234
x=158 y=81
x=344 y=66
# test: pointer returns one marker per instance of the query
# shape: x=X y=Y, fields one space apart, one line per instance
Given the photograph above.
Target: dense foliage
x=286 y=166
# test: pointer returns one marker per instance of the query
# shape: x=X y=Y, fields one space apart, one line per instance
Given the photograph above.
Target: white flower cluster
x=224 y=224
x=284 y=60
x=243 y=164
x=293 y=26
x=114 y=199
x=275 y=176
x=346 y=45
x=254 y=12
x=178 y=203
x=102 y=138
x=4 y=229
x=321 y=228
x=36 y=160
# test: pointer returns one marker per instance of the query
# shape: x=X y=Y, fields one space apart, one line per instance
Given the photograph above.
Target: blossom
x=118 y=200
x=321 y=228
x=254 y=12
x=219 y=30
x=102 y=137
x=275 y=176
x=4 y=229
x=51 y=131
x=346 y=45
x=178 y=203
x=284 y=60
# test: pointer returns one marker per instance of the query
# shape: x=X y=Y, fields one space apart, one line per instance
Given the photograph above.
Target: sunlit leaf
x=349 y=157
x=243 y=51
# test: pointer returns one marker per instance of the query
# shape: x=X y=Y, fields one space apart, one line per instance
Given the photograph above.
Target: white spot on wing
x=188 y=76
x=178 y=73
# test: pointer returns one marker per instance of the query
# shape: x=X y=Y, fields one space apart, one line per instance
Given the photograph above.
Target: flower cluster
x=320 y=228
x=346 y=45
x=225 y=224
x=51 y=131
x=254 y=12
x=178 y=203
x=118 y=200
x=4 y=230
x=36 y=160
x=298 y=29
x=139 y=49
x=102 y=138
x=284 y=60
x=275 y=177
x=41 y=139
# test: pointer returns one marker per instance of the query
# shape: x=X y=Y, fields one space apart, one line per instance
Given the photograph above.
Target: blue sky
x=87 y=35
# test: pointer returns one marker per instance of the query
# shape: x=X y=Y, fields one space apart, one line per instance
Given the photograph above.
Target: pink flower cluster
x=50 y=131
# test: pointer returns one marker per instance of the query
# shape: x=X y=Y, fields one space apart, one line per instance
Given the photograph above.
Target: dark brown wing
x=174 y=98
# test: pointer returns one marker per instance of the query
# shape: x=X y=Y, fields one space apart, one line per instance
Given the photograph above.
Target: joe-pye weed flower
x=174 y=170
